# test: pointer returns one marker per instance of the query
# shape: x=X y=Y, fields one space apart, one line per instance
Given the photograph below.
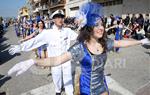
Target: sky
x=9 y=8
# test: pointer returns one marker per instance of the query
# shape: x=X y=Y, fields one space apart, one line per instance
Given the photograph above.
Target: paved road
x=25 y=82
x=129 y=69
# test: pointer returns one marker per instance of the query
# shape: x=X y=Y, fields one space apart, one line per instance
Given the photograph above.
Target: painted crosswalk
x=49 y=88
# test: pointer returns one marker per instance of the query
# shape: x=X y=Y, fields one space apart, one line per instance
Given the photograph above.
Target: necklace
x=98 y=50
x=95 y=48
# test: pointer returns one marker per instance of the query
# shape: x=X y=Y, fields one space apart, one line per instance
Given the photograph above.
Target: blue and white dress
x=118 y=34
x=92 y=79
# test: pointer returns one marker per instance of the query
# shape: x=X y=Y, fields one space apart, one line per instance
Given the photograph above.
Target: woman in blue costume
x=90 y=50
x=119 y=26
x=42 y=51
x=37 y=29
x=16 y=25
x=34 y=31
x=118 y=31
x=24 y=26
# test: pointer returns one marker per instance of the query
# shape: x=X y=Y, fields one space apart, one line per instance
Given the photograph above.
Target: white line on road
x=115 y=86
x=49 y=88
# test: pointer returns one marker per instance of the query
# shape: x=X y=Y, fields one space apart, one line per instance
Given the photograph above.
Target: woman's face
x=98 y=30
x=34 y=24
x=40 y=24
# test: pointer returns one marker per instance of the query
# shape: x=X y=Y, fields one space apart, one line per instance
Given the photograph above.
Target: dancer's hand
x=145 y=41
x=14 y=49
x=106 y=29
x=21 y=67
x=20 y=41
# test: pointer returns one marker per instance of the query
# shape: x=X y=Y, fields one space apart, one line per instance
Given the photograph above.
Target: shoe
x=58 y=93
x=2 y=93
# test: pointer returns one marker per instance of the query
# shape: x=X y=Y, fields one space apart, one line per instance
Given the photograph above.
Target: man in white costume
x=58 y=40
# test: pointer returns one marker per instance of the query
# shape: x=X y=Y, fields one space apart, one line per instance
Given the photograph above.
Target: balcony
x=44 y=1
x=34 y=3
x=56 y=3
x=37 y=1
x=36 y=10
x=45 y=7
x=40 y=7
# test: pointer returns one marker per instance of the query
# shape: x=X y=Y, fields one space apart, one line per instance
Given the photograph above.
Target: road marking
x=49 y=88
x=116 y=87
x=144 y=90
x=43 y=90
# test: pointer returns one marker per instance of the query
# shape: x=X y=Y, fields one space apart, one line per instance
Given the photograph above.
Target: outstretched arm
x=23 y=66
x=127 y=43
x=54 y=61
x=28 y=37
x=75 y=52
x=111 y=27
x=36 y=42
x=31 y=44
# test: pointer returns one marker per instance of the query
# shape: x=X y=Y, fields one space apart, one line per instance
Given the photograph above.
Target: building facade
x=39 y=6
x=72 y=6
x=115 y=7
x=123 y=7
x=56 y=5
x=46 y=7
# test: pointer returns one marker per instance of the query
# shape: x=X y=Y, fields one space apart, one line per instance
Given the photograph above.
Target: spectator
x=133 y=19
x=140 y=20
x=112 y=19
x=47 y=21
x=127 y=20
x=108 y=24
x=140 y=33
x=127 y=33
x=146 y=23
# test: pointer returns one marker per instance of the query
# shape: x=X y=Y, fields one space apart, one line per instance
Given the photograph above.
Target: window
x=111 y=2
x=74 y=8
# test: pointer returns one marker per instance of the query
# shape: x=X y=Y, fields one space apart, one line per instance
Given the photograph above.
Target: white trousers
x=62 y=74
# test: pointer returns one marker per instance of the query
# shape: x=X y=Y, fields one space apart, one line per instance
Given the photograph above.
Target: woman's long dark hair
x=42 y=23
x=85 y=35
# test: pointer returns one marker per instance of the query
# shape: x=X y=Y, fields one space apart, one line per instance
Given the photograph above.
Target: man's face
x=59 y=21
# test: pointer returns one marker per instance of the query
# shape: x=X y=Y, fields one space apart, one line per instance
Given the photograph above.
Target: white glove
x=106 y=30
x=145 y=41
x=14 y=49
x=21 y=67
x=20 y=41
